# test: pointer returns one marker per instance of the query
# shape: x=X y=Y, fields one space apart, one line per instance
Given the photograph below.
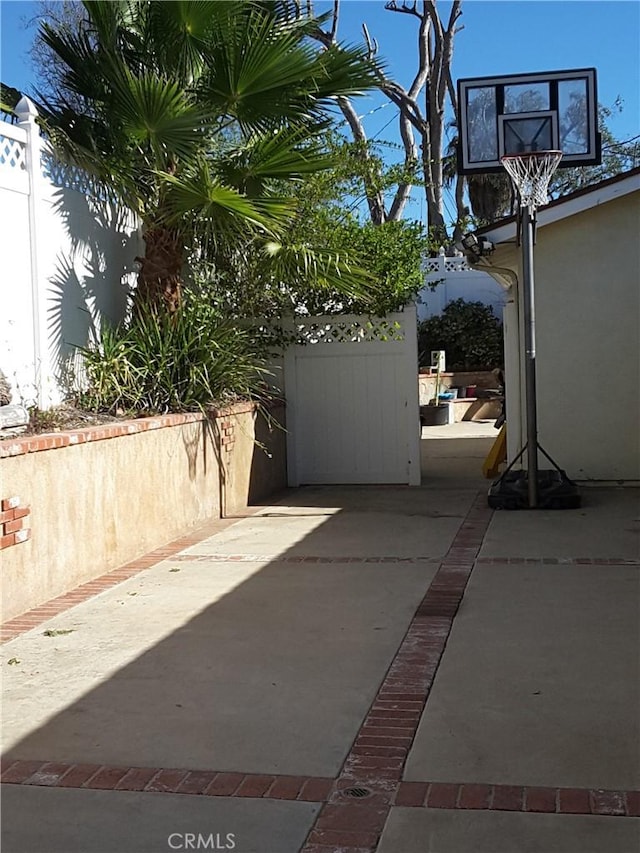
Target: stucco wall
x=101 y=502
x=587 y=298
x=253 y=454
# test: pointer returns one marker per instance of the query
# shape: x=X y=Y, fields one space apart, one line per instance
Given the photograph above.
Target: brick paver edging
x=310 y=558
x=375 y=763
x=518 y=798
x=69 y=438
x=12 y=628
x=163 y=780
x=558 y=561
x=211 y=783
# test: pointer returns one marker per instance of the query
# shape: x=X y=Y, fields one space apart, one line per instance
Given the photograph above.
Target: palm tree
x=190 y=113
x=490 y=195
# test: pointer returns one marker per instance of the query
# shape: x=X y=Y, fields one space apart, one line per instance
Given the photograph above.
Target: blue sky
x=517 y=36
x=499 y=37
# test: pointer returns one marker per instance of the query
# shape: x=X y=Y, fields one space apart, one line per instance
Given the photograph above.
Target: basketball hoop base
x=555 y=491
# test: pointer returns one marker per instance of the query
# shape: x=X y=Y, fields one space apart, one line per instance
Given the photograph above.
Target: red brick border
x=162 y=780
x=341 y=814
x=558 y=561
x=523 y=798
x=66 y=438
x=53 y=440
x=12 y=628
x=259 y=558
x=376 y=760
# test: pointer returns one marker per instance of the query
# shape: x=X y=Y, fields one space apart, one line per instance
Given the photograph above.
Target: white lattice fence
x=67 y=256
x=12 y=153
x=349 y=330
x=443 y=264
x=455 y=279
x=13 y=158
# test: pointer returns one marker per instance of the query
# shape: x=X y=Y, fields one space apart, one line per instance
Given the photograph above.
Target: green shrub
x=160 y=362
x=470 y=334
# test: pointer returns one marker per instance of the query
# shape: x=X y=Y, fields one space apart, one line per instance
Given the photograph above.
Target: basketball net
x=531 y=173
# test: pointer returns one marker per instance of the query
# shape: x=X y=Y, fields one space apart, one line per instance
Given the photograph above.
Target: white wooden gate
x=352 y=400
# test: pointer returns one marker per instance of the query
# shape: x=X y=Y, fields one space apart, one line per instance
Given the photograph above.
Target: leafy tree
x=617 y=157
x=394 y=253
x=247 y=284
x=190 y=112
x=491 y=196
x=469 y=332
x=9 y=98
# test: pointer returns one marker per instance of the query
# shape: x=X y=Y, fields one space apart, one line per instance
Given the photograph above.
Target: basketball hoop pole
x=522 y=122
x=528 y=283
x=531 y=174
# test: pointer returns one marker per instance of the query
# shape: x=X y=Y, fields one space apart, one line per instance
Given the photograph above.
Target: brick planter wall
x=427 y=382
x=77 y=504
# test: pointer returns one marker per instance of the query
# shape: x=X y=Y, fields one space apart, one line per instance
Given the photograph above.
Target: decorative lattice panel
x=70 y=177
x=349 y=331
x=456 y=265
x=13 y=154
x=441 y=264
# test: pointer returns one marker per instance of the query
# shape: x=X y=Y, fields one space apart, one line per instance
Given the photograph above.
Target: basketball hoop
x=522 y=123
x=531 y=173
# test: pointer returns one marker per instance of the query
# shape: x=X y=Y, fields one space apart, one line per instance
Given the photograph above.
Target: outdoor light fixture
x=478 y=246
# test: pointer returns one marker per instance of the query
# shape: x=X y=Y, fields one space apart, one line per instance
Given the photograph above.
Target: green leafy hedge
x=470 y=334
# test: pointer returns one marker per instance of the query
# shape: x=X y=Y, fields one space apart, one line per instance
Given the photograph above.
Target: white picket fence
x=68 y=261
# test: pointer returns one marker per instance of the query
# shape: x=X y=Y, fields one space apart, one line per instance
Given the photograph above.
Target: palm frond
x=219 y=208
x=157 y=113
x=321 y=270
x=263 y=72
x=178 y=32
x=285 y=154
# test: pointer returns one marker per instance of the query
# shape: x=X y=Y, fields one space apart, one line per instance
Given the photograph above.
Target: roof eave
x=561 y=208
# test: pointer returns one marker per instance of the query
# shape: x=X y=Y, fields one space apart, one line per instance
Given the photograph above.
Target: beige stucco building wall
x=99 y=503
x=587 y=302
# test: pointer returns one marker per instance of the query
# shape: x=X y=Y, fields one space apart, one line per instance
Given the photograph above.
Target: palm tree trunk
x=160 y=275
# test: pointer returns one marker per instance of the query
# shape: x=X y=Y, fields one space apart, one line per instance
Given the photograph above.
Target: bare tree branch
x=403 y=192
x=432 y=81
x=422 y=73
x=372 y=44
x=334 y=21
x=392 y=6
x=375 y=198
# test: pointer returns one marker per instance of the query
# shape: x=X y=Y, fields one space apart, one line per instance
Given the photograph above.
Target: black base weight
x=555 y=491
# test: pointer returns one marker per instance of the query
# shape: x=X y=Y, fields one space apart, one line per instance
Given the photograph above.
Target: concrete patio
x=474 y=673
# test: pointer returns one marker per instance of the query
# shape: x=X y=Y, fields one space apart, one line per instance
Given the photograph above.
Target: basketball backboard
x=517 y=114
